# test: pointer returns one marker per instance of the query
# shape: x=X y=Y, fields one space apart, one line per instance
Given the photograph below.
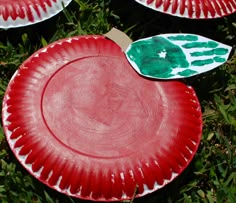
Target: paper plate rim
x=32 y=14
x=202 y=15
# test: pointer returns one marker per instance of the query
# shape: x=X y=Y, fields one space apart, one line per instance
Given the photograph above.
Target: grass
x=211 y=176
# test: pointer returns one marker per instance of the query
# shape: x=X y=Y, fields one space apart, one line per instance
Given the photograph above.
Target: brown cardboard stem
x=119 y=37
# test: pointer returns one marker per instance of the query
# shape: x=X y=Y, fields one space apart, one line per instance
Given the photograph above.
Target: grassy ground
x=211 y=176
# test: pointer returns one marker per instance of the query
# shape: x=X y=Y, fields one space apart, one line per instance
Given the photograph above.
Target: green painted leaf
x=172 y=56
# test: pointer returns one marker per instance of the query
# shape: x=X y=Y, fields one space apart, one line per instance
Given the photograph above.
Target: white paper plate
x=18 y=13
x=195 y=9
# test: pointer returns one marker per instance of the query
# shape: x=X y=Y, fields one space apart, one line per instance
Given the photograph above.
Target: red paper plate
x=192 y=8
x=82 y=121
x=17 y=13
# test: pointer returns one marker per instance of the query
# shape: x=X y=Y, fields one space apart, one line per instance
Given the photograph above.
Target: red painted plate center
x=94 y=107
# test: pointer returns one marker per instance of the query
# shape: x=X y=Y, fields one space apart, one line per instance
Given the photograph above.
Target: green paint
x=217 y=51
x=220 y=51
x=202 y=53
x=166 y=75
x=202 y=62
x=157 y=56
x=219 y=59
x=187 y=73
x=183 y=38
x=210 y=44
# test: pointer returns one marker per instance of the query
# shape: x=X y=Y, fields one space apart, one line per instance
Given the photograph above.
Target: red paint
x=179 y=157
x=130 y=183
x=172 y=161
x=48 y=2
x=174 y=6
x=217 y=7
x=158 y=3
x=47 y=169
x=195 y=8
x=19 y=11
x=190 y=9
x=66 y=175
x=149 y=177
x=223 y=7
x=204 y=8
x=11 y=9
x=157 y=171
x=166 y=5
x=43 y=5
x=182 y=6
x=82 y=113
x=209 y=5
x=5 y=13
x=37 y=164
x=15 y=9
x=139 y=178
x=32 y=155
x=149 y=1
x=75 y=180
x=36 y=8
x=233 y=3
x=29 y=13
x=165 y=167
x=116 y=182
x=61 y=164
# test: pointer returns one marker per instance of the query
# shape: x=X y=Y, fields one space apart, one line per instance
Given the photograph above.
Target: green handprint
x=176 y=55
x=157 y=57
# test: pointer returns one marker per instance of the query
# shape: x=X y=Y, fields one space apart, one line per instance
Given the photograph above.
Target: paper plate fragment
x=192 y=8
x=82 y=121
x=172 y=56
x=18 y=13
